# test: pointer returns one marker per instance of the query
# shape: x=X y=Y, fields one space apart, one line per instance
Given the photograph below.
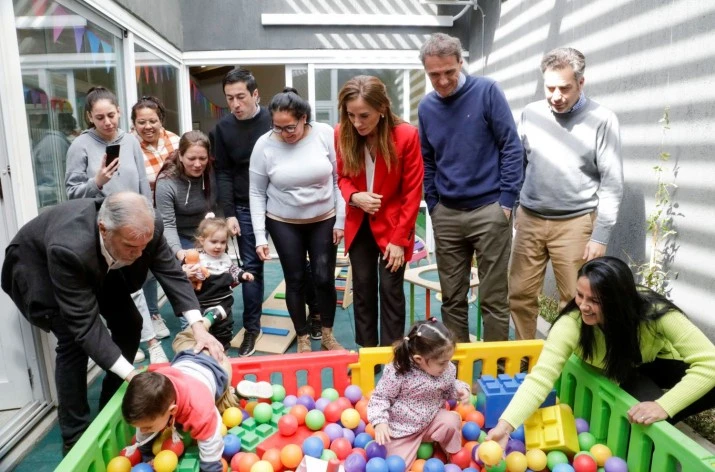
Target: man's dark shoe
x=248 y=345
x=314 y=326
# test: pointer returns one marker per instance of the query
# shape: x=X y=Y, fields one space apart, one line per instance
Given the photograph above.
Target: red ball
x=341 y=447
x=439 y=454
x=332 y=412
x=170 y=445
x=288 y=425
x=133 y=458
x=361 y=451
x=344 y=403
x=235 y=460
x=461 y=458
x=584 y=463
x=306 y=390
x=323 y=437
x=299 y=411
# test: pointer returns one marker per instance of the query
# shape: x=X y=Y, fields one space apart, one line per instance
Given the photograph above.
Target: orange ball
x=476 y=416
x=291 y=456
x=464 y=410
x=299 y=411
x=224 y=464
x=246 y=461
x=119 y=464
x=418 y=465
x=273 y=456
x=323 y=437
x=306 y=390
x=250 y=406
x=370 y=429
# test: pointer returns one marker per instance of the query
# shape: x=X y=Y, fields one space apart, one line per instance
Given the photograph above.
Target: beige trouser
x=535 y=242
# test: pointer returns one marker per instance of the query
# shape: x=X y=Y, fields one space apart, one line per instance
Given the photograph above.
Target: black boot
x=314 y=326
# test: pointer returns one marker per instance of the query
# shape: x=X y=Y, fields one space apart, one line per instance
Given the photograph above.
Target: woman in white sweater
x=294 y=196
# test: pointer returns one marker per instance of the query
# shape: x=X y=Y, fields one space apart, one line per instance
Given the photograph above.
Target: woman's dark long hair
x=173 y=167
x=624 y=306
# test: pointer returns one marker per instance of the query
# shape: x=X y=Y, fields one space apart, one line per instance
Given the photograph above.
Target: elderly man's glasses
x=288 y=129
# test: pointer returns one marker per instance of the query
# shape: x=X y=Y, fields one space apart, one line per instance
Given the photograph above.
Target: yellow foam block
x=552 y=429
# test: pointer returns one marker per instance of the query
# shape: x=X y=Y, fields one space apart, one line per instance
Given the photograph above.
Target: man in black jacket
x=84 y=258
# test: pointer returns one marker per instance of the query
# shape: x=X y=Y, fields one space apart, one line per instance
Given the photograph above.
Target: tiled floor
x=47 y=453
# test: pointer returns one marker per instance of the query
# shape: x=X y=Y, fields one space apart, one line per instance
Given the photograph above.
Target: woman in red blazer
x=380 y=176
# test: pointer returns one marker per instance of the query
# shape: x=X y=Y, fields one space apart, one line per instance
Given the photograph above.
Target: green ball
x=556 y=457
x=331 y=394
x=186 y=438
x=481 y=400
x=279 y=393
x=482 y=437
x=262 y=413
x=314 y=420
x=327 y=455
x=425 y=450
x=500 y=467
x=586 y=441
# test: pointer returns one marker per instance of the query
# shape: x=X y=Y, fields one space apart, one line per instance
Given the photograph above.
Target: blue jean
x=151 y=288
x=253 y=292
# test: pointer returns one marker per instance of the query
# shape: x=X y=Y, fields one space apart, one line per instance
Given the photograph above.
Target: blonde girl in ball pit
x=406 y=407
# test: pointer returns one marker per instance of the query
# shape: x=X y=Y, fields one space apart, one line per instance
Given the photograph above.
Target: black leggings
x=293 y=242
x=652 y=378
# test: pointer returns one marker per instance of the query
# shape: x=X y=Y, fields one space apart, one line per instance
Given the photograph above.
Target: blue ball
x=376 y=464
x=452 y=468
x=373 y=449
x=289 y=401
x=361 y=440
x=349 y=435
x=471 y=430
x=143 y=467
x=562 y=468
x=433 y=465
x=470 y=469
x=231 y=446
x=518 y=433
x=395 y=464
x=354 y=463
x=313 y=447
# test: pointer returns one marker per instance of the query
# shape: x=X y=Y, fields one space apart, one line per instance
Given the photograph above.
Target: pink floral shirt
x=408 y=403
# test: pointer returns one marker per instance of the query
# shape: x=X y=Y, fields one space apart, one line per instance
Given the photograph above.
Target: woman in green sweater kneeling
x=638 y=339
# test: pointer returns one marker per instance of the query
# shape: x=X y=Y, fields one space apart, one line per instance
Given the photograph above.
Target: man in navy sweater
x=473 y=170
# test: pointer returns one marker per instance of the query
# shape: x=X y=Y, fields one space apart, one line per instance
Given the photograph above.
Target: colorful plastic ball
x=341 y=447
x=245 y=462
x=361 y=407
x=584 y=463
x=344 y=403
x=333 y=430
x=470 y=469
x=262 y=466
x=452 y=468
x=171 y=445
x=314 y=420
x=321 y=403
x=376 y=464
x=313 y=447
x=373 y=449
x=582 y=426
x=353 y=393
x=482 y=436
x=418 y=465
x=119 y=464
x=224 y=465
x=349 y=435
x=433 y=465
x=156 y=445
x=516 y=462
x=562 y=468
x=289 y=401
x=360 y=428
x=350 y=418
x=332 y=412
x=586 y=441
x=615 y=464
x=556 y=457
x=231 y=446
x=425 y=450
x=518 y=433
x=262 y=413
x=355 y=463
x=250 y=406
x=233 y=463
x=481 y=401
x=323 y=437
x=165 y=461
x=299 y=411
x=287 y=425
x=361 y=440
x=279 y=393
x=601 y=453
x=307 y=401
x=135 y=458
x=470 y=431
x=461 y=458
x=273 y=456
x=291 y=456
x=490 y=452
x=331 y=394
x=536 y=459
x=514 y=445
x=395 y=464
x=141 y=467
x=306 y=390
x=498 y=467
x=327 y=455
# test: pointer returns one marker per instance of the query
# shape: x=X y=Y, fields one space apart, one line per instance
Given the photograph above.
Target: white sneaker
x=156 y=354
x=160 y=329
x=249 y=389
x=139 y=357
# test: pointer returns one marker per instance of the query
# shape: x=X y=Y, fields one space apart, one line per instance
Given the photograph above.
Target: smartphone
x=112 y=153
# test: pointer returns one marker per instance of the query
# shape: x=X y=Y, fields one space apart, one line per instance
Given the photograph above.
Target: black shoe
x=66 y=448
x=248 y=345
x=314 y=326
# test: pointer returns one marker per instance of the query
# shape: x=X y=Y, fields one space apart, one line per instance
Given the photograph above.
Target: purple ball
x=452 y=403
x=475 y=456
x=245 y=414
x=470 y=469
x=582 y=426
x=333 y=431
x=360 y=428
x=515 y=445
x=321 y=403
x=615 y=464
x=452 y=468
x=349 y=435
x=307 y=401
x=373 y=449
x=354 y=463
x=353 y=393
x=289 y=401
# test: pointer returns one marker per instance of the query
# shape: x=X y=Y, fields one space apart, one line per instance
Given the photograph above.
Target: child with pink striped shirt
x=406 y=407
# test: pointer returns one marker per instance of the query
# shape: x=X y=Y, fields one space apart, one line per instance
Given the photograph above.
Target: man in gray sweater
x=572 y=187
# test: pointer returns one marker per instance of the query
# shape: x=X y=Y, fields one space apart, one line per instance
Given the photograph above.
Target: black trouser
x=652 y=378
x=71 y=369
x=368 y=265
x=293 y=242
x=311 y=298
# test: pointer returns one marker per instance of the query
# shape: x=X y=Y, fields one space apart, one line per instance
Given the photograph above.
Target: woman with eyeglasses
x=294 y=197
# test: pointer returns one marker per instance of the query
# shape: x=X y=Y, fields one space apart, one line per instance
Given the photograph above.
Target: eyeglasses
x=288 y=129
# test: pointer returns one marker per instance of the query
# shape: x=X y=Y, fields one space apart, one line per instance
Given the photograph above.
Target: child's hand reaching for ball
x=464 y=396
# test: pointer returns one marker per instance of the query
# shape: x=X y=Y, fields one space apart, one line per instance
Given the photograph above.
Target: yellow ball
x=490 y=452
x=165 y=461
x=224 y=430
x=232 y=416
x=159 y=441
x=119 y=464
x=516 y=462
x=350 y=418
x=601 y=453
x=262 y=466
x=536 y=459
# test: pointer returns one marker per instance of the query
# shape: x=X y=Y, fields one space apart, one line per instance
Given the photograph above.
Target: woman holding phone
x=104 y=160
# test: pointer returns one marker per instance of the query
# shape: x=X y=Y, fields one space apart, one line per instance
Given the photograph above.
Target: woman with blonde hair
x=380 y=174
